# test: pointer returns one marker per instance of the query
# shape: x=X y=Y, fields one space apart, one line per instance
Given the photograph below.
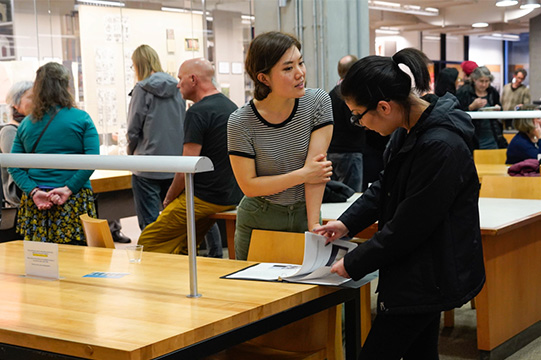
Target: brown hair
x=264 y=52
x=146 y=61
x=51 y=89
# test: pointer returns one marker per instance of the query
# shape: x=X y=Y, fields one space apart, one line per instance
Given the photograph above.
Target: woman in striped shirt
x=278 y=142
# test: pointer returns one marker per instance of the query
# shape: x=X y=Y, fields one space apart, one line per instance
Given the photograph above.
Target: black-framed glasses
x=356 y=118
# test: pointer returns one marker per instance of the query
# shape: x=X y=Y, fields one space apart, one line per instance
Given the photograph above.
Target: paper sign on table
x=41 y=259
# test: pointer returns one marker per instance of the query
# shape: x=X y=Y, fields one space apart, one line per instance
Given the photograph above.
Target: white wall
x=488 y=53
x=228 y=40
x=109 y=37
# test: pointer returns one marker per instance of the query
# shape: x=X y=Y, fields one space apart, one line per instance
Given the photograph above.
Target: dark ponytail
x=376 y=78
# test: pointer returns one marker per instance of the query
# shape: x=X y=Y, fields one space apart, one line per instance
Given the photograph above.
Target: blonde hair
x=525 y=125
x=146 y=61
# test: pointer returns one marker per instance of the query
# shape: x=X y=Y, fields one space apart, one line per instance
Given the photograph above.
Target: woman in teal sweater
x=53 y=199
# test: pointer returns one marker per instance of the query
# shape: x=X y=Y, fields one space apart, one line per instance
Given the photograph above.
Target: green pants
x=258 y=213
x=168 y=234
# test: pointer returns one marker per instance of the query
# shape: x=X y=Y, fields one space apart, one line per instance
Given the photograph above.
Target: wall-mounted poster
x=191 y=44
x=223 y=67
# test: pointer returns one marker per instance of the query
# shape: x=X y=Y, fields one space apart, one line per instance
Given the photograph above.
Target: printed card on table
x=41 y=259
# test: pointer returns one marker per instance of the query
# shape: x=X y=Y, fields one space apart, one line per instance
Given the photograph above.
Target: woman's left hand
x=339 y=269
x=59 y=196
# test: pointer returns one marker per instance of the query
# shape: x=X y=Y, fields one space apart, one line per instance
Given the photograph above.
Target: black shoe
x=119 y=237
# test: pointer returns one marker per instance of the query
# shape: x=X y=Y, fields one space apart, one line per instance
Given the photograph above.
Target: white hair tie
x=405 y=68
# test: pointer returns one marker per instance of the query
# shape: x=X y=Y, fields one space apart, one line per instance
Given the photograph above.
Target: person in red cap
x=467 y=68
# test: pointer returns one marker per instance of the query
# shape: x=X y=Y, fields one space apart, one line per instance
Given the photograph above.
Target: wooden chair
x=97 y=232
x=316 y=337
x=493 y=156
x=511 y=187
x=509 y=136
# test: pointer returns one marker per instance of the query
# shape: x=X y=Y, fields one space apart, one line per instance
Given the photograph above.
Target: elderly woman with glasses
x=428 y=244
x=479 y=95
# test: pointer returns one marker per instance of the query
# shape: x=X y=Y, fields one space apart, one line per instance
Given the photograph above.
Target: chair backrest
x=511 y=187
x=97 y=232
x=492 y=156
x=288 y=248
x=276 y=246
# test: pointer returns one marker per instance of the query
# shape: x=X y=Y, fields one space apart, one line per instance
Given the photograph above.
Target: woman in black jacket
x=428 y=245
x=479 y=95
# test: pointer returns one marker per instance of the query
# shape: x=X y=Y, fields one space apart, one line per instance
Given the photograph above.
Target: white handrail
x=178 y=164
x=525 y=114
x=183 y=164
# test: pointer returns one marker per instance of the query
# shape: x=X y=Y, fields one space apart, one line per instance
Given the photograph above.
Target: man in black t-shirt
x=205 y=134
x=347 y=143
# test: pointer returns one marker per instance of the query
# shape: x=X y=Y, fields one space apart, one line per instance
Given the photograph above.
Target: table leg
x=353 y=327
x=230 y=233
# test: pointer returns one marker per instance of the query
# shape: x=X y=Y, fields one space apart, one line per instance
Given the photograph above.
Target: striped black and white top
x=279 y=148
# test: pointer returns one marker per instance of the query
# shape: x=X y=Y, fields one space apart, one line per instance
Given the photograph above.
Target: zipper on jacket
x=382 y=306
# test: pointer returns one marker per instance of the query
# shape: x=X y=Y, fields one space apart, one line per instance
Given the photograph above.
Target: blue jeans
x=148 y=195
x=348 y=169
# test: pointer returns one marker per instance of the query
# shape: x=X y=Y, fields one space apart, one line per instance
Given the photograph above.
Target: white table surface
x=494 y=213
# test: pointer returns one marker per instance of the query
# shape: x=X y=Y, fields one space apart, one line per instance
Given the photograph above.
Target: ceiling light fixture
x=506 y=3
x=405 y=9
x=102 y=2
x=479 y=25
x=501 y=37
x=387 y=31
x=530 y=4
x=172 y=9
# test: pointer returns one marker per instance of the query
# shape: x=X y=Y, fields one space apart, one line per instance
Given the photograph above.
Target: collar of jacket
x=406 y=141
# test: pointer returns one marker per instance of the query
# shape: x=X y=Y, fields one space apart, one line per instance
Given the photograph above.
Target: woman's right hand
x=41 y=200
x=477 y=104
x=317 y=170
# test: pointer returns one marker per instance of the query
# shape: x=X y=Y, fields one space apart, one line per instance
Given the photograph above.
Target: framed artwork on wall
x=191 y=44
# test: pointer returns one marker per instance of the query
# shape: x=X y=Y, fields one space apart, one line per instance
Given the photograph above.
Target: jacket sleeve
x=432 y=186
x=363 y=212
x=137 y=113
x=91 y=146
x=463 y=98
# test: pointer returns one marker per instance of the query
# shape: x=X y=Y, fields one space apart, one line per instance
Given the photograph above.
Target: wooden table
x=146 y=314
x=114 y=197
x=510 y=302
x=110 y=180
x=491 y=169
x=509 y=306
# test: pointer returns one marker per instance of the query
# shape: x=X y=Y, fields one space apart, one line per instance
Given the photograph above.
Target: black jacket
x=428 y=245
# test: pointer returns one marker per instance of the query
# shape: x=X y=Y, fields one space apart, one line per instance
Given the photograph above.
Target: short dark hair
x=522 y=71
x=51 y=88
x=264 y=52
x=375 y=78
